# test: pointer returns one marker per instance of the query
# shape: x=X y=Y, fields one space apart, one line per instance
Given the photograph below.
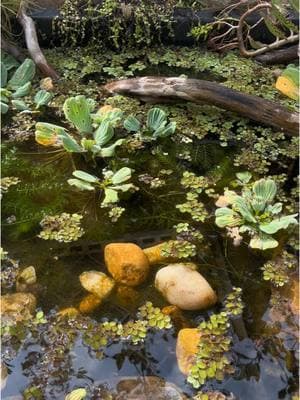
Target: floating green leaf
x=85 y=176
x=155 y=118
x=77 y=111
x=132 y=124
x=42 y=98
x=82 y=185
x=121 y=176
x=22 y=75
x=22 y=91
x=104 y=133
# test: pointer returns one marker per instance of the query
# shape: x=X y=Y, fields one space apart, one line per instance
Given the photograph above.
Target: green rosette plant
x=93 y=131
x=254 y=212
x=157 y=125
x=112 y=184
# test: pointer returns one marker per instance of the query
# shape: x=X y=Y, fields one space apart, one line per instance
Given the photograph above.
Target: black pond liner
x=183 y=20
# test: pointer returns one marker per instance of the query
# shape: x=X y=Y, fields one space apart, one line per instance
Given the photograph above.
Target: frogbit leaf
x=123 y=175
x=19 y=105
x=265 y=189
x=82 y=185
x=22 y=75
x=155 y=118
x=48 y=134
x=42 y=98
x=244 y=177
x=22 y=91
x=132 y=124
x=165 y=131
x=279 y=223
x=241 y=206
x=263 y=242
x=227 y=217
x=70 y=144
x=111 y=196
x=110 y=151
x=77 y=111
x=85 y=176
x=103 y=133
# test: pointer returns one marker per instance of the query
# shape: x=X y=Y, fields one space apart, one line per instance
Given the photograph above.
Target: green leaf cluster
x=255 y=212
x=178 y=249
x=63 y=227
x=277 y=271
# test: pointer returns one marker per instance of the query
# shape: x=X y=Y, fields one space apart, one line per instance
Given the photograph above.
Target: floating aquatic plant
x=112 y=184
x=277 y=271
x=136 y=331
x=155 y=317
x=63 y=227
x=193 y=207
x=78 y=111
x=233 y=303
x=115 y=213
x=186 y=232
x=157 y=125
x=178 y=249
x=194 y=183
x=254 y=212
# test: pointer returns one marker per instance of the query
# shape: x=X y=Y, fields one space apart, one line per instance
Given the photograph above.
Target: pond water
x=264 y=346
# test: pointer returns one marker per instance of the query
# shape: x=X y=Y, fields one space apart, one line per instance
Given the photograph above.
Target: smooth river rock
x=17 y=307
x=184 y=287
x=89 y=303
x=186 y=348
x=97 y=283
x=127 y=263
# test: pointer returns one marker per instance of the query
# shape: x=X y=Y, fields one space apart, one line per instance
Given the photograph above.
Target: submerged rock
x=97 y=283
x=127 y=263
x=127 y=296
x=26 y=279
x=184 y=287
x=186 y=348
x=155 y=254
x=140 y=388
x=17 y=307
x=89 y=303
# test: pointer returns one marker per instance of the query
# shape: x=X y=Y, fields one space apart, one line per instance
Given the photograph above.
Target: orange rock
x=97 y=283
x=127 y=263
x=89 y=303
x=155 y=256
x=186 y=348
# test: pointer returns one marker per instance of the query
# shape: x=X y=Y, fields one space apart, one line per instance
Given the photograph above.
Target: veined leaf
x=3 y=75
x=42 y=98
x=121 y=176
x=22 y=91
x=244 y=177
x=85 y=176
x=279 y=223
x=227 y=217
x=77 y=394
x=275 y=208
x=110 y=151
x=165 y=131
x=242 y=207
x=48 y=134
x=263 y=242
x=22 y=75
x=19 y=105
x=82 y=185
x=77 y=111
x=132 y=124
x=70 y=144
x=111 y=196
x=103 y=133
x=155 y=118
x=265 y=189
x=4 y=107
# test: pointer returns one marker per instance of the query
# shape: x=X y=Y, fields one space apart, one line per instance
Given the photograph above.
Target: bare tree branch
x=33 y=45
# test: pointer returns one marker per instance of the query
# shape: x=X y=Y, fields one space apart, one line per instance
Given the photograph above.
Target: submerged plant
x=157 y=125
x=276 y=271
x=63 y=228
x=90 y=137
x=112 y=184
x=255 y=212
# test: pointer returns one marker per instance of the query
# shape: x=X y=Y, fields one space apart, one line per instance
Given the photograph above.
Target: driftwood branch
x=281 y=56
x=33 y=45
x=292 y=38
x=161 y=89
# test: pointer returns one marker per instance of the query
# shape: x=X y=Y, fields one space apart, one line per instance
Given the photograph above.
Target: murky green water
x=264 y=348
